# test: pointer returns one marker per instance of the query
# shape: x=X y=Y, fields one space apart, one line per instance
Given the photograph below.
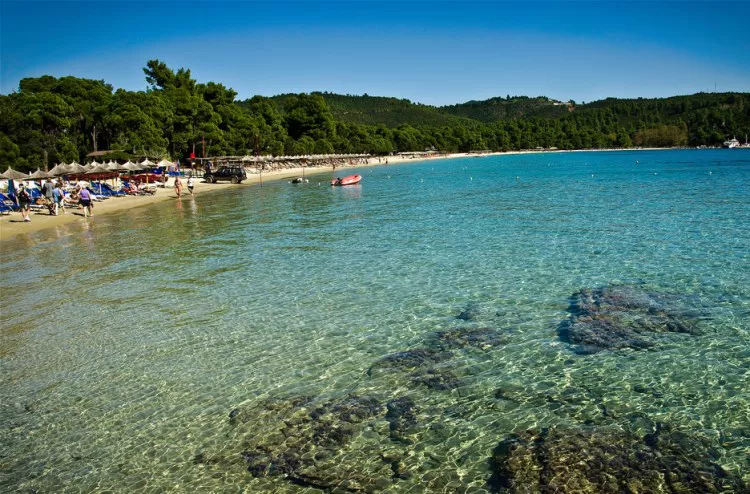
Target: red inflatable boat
x=350 y=180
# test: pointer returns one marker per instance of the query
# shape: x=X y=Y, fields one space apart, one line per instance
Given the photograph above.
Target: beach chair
x=5 y=209
x=112 y=192
x=8 y=200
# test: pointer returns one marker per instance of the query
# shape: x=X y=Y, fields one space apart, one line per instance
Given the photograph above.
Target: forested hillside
x=495 y=109
x=378 y=110
x=50 y=120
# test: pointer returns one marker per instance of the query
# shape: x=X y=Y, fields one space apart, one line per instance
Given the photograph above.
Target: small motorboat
x=350 y=180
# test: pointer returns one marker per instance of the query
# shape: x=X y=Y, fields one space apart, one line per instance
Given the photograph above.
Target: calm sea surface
x=127 y=341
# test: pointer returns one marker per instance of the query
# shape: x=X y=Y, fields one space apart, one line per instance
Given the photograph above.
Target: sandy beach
x=12 y=225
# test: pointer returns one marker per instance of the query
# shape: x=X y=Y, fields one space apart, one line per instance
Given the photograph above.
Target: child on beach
x=59 y=197
x=190 y=183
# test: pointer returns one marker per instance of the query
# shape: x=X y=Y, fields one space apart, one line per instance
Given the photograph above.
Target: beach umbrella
x=39 y=174
x=75 y=169
x=146 y=164
x=131 y=167
x=98 y=170
x=164 y=164
x=13 y=174
x=112 y=166
x=59 y=169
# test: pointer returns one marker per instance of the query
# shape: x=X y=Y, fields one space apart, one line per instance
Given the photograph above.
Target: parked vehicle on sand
x=234 y=174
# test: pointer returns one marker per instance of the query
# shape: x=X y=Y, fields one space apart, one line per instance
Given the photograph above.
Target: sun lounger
x=8 y=202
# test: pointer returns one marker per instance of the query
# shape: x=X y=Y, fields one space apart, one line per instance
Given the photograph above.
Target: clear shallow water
x=133 y=338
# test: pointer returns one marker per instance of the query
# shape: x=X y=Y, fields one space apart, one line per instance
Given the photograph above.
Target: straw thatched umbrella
x=75 y=169
x=98 y=170
x=59 y=169
x=13 y=174
x=131 y=167
x=38 y=174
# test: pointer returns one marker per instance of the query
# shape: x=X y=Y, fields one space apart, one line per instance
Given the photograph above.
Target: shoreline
x=12 y=226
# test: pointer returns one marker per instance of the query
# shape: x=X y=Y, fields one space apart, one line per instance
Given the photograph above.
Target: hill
x=508 y=108
x=379 y=110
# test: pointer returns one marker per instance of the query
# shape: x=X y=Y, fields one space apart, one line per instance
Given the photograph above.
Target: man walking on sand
x=24 y=202
x=49 y=194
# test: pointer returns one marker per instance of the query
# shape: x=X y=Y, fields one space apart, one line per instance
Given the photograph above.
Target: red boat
x=350 y=180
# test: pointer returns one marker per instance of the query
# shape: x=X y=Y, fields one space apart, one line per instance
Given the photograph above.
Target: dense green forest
x=50 y=120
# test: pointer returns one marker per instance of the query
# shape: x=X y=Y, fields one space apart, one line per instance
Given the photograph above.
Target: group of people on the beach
x=54 y=198
x=56 y=195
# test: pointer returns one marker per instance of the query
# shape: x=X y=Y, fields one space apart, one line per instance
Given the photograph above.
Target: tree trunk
x=46 y=160
x=93 y=137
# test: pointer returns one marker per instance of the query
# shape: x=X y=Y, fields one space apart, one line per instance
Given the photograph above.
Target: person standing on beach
x=49 y=194
x=190 y=183
x=178 y=186
x=24 y=201
x=86 y=200
x=59 y=197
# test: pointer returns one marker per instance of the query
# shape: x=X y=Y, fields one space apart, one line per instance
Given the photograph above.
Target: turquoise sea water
x=126 y=341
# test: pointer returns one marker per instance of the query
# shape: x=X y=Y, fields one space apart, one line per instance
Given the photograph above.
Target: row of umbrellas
x=92 y=168
x=289 y=158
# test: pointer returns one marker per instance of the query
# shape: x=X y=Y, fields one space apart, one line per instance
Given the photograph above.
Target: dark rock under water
x=410 y=359
x=607 y=460
x=625 y=317
x=470 y=312
x=427 y=363
x=305 y=441
x=482 y=338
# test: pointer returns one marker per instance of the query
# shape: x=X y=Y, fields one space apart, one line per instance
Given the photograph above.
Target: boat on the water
x=350 y=180
x=732 y=143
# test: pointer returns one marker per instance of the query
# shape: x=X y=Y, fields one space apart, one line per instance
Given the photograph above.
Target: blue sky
x=432 y=52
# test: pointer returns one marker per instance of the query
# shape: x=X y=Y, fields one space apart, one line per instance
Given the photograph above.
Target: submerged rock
x=410 y=359
x=312 y=443
x=625 y=317
x=594 y=460
x=402 y=418
x=483 y=338
x=437 y=379
x=470 y=312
